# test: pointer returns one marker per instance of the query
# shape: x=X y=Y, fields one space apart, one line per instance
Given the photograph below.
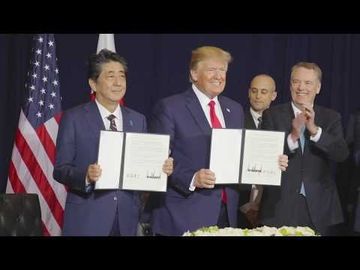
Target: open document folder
x=246 y=156
x=132 y=161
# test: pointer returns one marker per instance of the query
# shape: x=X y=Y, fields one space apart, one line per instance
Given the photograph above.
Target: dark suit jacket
x=313 y=167
x=179 y=210
x=92 y=213
x=354 y=138
x=249 y=121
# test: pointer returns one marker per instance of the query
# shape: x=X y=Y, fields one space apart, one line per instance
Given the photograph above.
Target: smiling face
x=209 y=76
x=261 y=93
x=304 y=86
x=110 y=86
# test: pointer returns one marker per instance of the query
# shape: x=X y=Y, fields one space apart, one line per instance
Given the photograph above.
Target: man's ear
x=194 y=75
x=274 y=95
x=92 y=84
x=318 y=89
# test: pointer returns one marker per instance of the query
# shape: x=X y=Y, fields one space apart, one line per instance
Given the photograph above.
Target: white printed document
x=132 y=161
x=246 y=156
x=144 y=158
x=261 y=151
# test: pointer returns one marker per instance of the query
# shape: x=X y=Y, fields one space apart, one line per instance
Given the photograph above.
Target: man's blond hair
x=208 y=52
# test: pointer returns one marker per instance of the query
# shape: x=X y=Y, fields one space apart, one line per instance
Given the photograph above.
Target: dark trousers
x=223 y=220
x=115 y=230
x=304 y=219
x=302 y=214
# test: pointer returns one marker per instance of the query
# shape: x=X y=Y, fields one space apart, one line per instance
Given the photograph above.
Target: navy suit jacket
x=92 y=213
x=179 y=209
x=313 y=167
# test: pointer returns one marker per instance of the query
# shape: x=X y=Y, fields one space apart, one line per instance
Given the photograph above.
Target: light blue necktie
x=302 y=144
x=88 y=188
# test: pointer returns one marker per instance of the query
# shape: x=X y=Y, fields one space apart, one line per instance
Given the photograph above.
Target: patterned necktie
x=259 y=122
x=111 y=118
x=302 y=145
x=215 y=123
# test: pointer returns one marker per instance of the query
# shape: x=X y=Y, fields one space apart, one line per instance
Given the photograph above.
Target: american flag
x=33 y=155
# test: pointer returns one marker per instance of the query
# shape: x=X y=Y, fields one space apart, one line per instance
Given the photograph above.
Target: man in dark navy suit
x=90 y=212
x=314 y=141
x=193 y=200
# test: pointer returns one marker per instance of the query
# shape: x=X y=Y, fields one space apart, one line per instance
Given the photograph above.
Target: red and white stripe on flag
x=33 y=156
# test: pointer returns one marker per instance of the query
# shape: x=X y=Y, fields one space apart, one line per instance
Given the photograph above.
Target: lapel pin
x=228 y=110
x=131 y=123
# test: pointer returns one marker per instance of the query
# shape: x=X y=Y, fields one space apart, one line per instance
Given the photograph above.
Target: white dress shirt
x=255 y=117
x=105 y=113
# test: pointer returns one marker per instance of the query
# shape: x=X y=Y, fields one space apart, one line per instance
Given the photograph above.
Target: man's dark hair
x=97 y=60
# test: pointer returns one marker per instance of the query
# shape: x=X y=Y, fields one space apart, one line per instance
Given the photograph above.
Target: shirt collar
x=105 y=112
x=296 y=109
x=204 y=99
x=254 y=114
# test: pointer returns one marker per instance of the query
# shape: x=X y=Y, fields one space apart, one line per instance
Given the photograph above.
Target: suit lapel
x=249 y=121
x=230 y=121
x=93 y=118
x=290 y=115
x=128 y=123
x=197 y=112
x=318 y=116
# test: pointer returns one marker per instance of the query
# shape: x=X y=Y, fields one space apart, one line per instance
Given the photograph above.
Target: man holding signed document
x=314 y=140
x=198 y=196
x=90 y=211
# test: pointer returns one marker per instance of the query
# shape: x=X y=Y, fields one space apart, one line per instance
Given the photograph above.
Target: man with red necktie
x=193 y=200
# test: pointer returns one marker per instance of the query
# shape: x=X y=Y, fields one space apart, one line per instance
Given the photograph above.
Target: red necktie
x=215 y=123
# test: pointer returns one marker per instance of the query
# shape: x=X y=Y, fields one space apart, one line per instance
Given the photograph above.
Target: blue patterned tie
x=302 y=144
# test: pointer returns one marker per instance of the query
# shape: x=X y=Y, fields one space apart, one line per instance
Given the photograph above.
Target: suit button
x=115 y=198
